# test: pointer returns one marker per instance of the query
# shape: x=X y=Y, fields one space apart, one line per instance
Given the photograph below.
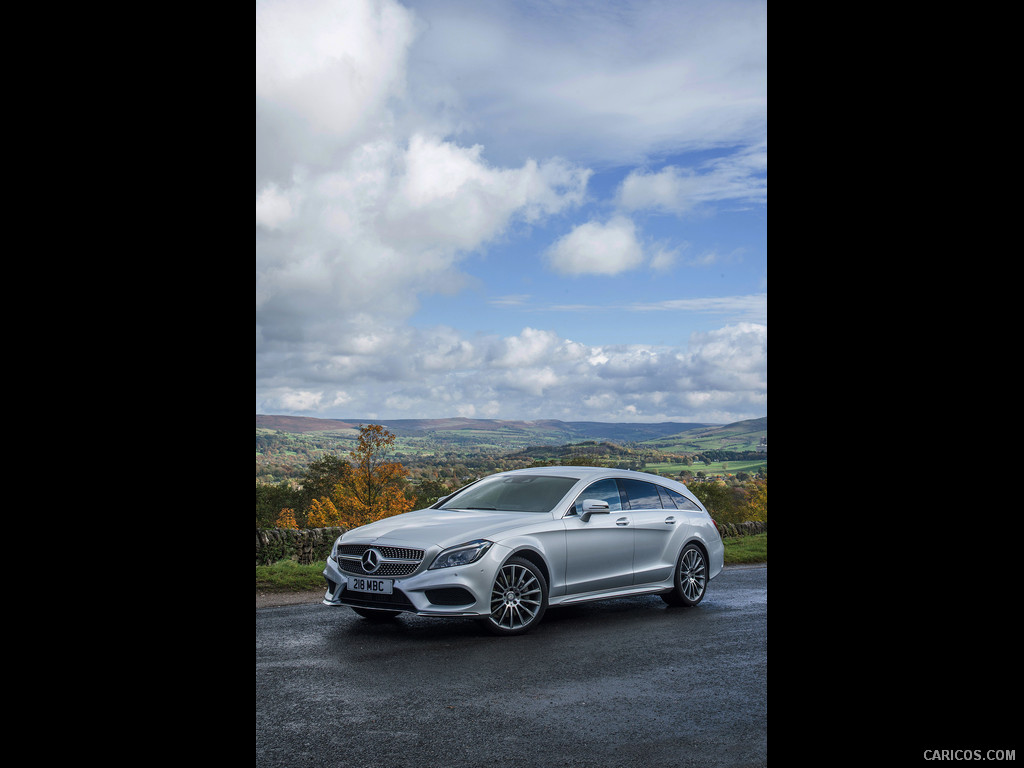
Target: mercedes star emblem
x=371 y=560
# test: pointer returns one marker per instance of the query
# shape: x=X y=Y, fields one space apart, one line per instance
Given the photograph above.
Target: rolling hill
x=666 y=436
x=548 y=432
x=285 y=445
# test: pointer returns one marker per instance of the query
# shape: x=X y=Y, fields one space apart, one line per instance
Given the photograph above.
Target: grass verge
x=289 y=576
x=745 y=550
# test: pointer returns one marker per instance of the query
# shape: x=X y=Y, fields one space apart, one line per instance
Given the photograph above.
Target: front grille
x=395 y=561
x=387 y=570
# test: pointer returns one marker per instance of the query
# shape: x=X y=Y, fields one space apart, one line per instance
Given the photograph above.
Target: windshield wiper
x=493 y=509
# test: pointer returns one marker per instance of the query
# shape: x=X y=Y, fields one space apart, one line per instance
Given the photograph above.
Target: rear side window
x=681 y=501
x=641 y=495
x=666 y=500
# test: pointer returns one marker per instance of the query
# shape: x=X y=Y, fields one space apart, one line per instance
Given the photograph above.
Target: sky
x=512 y=209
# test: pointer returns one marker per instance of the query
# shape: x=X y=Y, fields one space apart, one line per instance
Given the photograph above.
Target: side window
x=602 y=490
x=681 y=501
x=641 y=495
x=666 y=500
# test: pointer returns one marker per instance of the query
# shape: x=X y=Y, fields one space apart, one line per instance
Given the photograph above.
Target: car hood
x=442 y=527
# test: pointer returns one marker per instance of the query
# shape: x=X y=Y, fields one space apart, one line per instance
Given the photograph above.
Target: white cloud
x=740 y=178
x=300 y=400
x=512 y=300
x=325 y=72
x=753 y=308
x=388 y=224
x=664 y=259
x=594 y=248
x=355 y=216
x=274 y=208
x=615 y=82
x=734 y=358
x=721 y=376
x=527 y=349
x=448 y=197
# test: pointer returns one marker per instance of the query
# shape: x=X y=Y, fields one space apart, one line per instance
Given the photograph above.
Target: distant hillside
x=285 y=445
x=303 y=424
x=740 y=436
x=547 y=432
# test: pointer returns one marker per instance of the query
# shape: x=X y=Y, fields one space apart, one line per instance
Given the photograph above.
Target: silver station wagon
x=507 y=547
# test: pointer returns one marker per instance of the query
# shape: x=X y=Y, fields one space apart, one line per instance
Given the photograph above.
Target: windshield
x=530 y=493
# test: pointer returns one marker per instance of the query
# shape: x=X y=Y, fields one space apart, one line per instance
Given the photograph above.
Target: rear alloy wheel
x=519 y=597
x=691 y=578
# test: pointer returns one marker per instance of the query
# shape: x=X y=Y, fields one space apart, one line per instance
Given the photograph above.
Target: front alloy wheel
x=691 y=578
x=519 y=597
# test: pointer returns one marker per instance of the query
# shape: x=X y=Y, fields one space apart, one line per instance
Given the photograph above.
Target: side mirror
x=594 y=507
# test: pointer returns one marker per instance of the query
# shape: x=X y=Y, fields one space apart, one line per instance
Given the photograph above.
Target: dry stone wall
x=749 y=528
x=307 y=546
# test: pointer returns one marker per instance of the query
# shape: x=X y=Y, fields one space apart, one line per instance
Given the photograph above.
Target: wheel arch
x=711 y=548
x=700 y=545
x=536 y=558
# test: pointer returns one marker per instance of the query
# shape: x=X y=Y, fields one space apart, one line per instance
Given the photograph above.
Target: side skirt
x=607 y=595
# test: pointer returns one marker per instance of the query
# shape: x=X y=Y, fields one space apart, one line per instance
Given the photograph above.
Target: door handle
x=670 y=520
x=622 y=521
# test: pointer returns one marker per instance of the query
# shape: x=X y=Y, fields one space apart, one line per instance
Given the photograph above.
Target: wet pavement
x=621 y=683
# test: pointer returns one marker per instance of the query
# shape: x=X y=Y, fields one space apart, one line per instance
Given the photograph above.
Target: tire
x=691 y=579
x=374 y=615
x=519 y=598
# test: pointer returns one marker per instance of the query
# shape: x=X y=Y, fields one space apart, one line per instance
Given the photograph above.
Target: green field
x=715 y=468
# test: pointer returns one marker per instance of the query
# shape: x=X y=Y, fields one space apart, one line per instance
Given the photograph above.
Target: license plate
x=376 y=586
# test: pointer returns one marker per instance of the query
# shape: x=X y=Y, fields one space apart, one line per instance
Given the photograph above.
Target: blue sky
x=511 y=210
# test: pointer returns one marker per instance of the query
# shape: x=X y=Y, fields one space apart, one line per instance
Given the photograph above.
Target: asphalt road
x=619 y=684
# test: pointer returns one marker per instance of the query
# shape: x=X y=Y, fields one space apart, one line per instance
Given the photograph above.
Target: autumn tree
x=322 y=476
x=323 y=514
x=429 y=491
x=759 y=500
x=271 y=499
x=286 y=519
x=720 y=500
x=373 y=489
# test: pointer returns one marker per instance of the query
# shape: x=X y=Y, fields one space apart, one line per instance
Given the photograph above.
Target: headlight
x=334 y=549
x=464 y=554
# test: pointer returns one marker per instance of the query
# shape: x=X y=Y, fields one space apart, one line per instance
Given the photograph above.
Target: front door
x=599 y=551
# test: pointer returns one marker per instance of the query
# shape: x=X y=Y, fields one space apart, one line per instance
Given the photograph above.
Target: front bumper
x=460 y=591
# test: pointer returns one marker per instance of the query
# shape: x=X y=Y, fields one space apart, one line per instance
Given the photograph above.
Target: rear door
x=654 y=527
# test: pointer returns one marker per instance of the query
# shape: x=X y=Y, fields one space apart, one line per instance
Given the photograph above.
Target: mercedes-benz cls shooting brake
x=507 y=547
